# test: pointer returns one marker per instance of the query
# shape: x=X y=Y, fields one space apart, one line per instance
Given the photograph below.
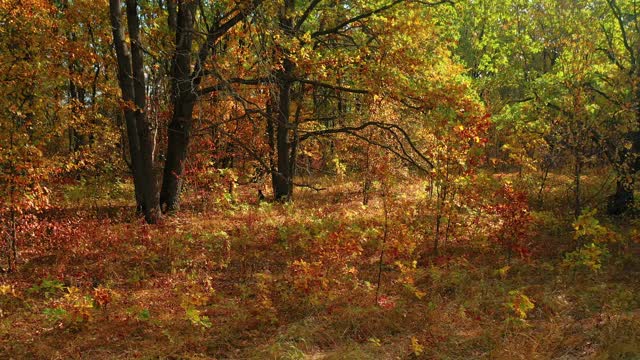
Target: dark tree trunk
x=271 y=104
x=628 y=163
x=178 y=140
x=283 y=182
x=282 y=177
x=622 y=199
x=151 y=206
x=132 y=85
x=76 y=139
x=172 y=20
x=184 y=97
x=185 y=83
x=123 y=57
x=76 y=96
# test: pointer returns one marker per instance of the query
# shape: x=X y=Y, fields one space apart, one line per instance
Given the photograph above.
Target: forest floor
x=227 y=278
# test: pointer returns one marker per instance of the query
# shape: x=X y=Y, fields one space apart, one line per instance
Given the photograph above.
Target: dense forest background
x=315 y=179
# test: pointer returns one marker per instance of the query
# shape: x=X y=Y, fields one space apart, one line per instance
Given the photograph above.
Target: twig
x=309 y=187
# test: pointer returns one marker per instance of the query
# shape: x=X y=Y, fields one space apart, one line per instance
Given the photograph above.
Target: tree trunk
x=271 y=104
x=442 y=198
x=123 y=57
x=185 y=84
x=622 y=199
x=282 y=182
x=149 y=181
x=578 y=173
x=282 y=177
x=366 y=184
x=132 y=85
x=178 y=144
x=184 y=98
x=76 y=139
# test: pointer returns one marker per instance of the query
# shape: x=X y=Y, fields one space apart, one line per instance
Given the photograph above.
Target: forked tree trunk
x=123 y=57
x=132 y=84
x=184 y=98
x=186 y=78
x=151 y=195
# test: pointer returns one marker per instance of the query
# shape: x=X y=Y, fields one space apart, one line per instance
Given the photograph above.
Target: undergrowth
x=247 y=280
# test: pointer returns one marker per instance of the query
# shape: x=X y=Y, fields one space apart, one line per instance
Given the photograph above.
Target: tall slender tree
x=186 y=77
x=131 y=75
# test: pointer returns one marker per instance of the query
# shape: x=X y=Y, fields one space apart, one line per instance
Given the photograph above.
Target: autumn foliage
x=319 y=179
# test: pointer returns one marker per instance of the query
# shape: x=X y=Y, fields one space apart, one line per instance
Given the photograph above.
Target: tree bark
x=282 y=177
x=623 y=199
x=132 y=84
x=123 y=57
x=283 y=183
x=149 y=181
x=184 y=97
x=185 y=83
x=186 y=78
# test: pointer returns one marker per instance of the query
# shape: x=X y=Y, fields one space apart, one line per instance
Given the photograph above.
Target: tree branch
x=354 y=19
x=625 y=39
x=391 y=128
x=308 y=186
x=365 y=15
x=334 y=87
x=214 y=35
x=305 y=15
x=225 y=84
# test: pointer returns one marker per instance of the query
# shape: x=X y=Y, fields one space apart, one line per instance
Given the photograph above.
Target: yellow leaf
x=503 y=271
x=6 y=289
x=420 y=294
x=416 y=348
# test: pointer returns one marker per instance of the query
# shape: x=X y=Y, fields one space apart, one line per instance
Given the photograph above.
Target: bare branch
x=334 y=87
x=391 y=128
x=214 y=35
x=365 y=15
x=308 y=186
x=337 y=28
x=390 y=149
x=625 y=39
x=226 y=83
x=306 y=14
